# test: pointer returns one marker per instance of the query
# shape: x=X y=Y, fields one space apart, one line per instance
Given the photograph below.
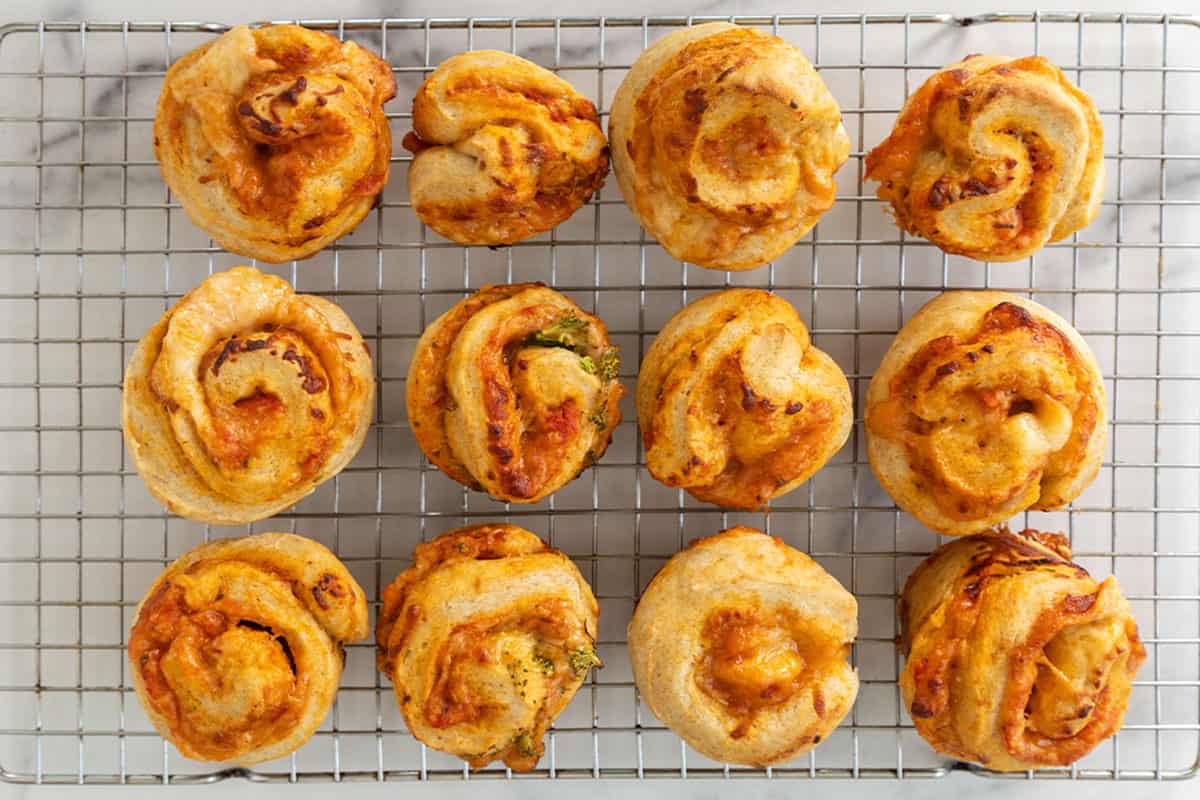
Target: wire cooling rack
x=93 y=250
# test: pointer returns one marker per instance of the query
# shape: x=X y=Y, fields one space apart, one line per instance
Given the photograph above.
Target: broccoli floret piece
x=568 y=331
x=583 y=659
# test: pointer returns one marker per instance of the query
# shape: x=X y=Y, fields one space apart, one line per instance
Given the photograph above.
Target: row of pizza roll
x=1015 y=657
x=724 y=140
x=245 y=396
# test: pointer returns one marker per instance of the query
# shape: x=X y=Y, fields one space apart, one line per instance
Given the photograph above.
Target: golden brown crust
x=986 y=404
x=502 y=149
x=992 y=158
x=236 y=649
x=274 y=139
x=486 y=637
x=734 y=402
x=725 y=143
x=514 y=391
x=244 y=397
x=739 y=645
x=1016 y=658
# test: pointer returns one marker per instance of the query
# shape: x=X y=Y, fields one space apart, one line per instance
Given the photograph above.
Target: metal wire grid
x=93 y=250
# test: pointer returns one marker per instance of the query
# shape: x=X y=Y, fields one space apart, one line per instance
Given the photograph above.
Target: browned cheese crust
x=274 y=139
x=502 y=149
x=486 y=638
x=992 y=158
x=1015 y=657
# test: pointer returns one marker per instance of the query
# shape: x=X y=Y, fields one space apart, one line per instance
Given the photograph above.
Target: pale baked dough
x=1015 y=658
x=986 y=404
x=993 y=158
x=739 y=645
x=514 y=391
x=502 y=149
x=274 y=139
x=735 y=403
x=236 y=649
x=486 y=638
x=244 y=397
x=725 y=142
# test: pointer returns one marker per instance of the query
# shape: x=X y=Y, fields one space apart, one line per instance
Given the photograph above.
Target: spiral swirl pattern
x=992 y=158
x=751 y=669
x=274 y=139
x=502 y=149
x=514 y=391
x=486 y=638
x=236 y=649
x=725 y=144
x=244 y=397
x=986 y=404
x=734 y=402
x=1016 y=658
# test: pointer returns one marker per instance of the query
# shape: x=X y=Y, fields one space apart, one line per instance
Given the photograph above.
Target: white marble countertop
x=231 y=11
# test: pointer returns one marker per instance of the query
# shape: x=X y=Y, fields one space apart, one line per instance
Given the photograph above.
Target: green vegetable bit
x=583 y=659
x=524 y=743
x=609 y=365
x=518 y=674
x=606 y=368
x=545 y=664
x=568 y=331
x=599 y=418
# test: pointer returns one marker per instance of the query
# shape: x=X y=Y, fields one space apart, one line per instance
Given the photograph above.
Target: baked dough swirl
x=237 y=648
x=992 y=158
x=739 y=645
x=244 y=397
x=502 y=149
x=725 y=143
x=514 y=391
x=1016 y=658
x=734 y=402
x=487 y=637
x=274 y=139
x=986 y=404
